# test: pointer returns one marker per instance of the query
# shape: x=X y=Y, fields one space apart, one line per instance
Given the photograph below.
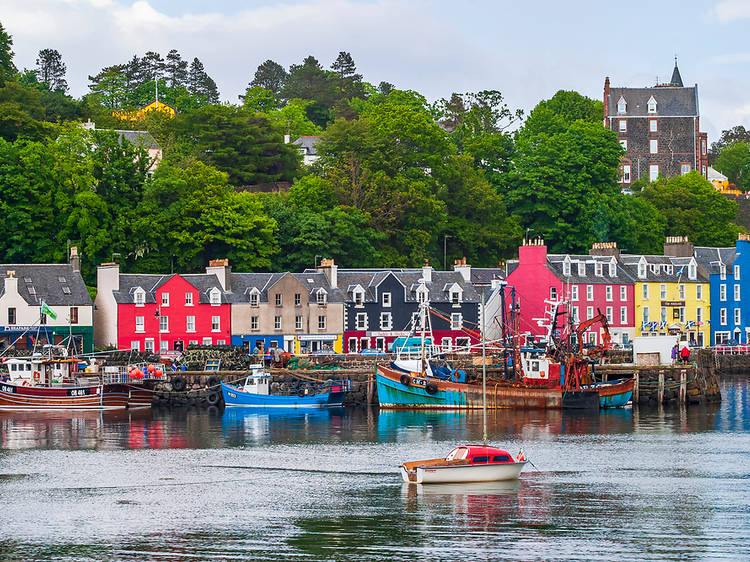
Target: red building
x=161 y=312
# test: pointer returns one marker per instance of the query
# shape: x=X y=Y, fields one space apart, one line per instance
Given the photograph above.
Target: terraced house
x=60 y=286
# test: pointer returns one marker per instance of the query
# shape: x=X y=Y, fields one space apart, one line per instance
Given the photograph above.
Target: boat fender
x=37 y=376
x=520 y=457
x=178 y=384
x=405 y=380
x=301 y=392
x=213 y=398
x=25 y=383
x=431 y=388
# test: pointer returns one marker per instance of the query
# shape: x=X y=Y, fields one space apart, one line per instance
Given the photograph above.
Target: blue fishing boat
x=255 y=391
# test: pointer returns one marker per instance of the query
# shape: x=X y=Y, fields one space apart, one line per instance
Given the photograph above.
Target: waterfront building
x=161 y=312
x=729 y=270
x=383 y=304
x=672 y=294
x=659 y=128
x=25 y=287
x=298 y=312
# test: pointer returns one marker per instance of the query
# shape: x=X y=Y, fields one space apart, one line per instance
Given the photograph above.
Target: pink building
x=589 y=284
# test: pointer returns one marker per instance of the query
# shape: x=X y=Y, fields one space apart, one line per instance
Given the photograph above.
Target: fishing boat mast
x=484 y=372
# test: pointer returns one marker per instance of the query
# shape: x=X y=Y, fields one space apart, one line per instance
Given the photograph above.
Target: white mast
x=484 y=374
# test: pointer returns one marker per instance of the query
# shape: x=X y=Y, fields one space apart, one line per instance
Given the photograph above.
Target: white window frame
x=599 y=269
x=148 y=345
x=681 y=289
x=608 y=293
x=189 y=298
x=589 y=292
x=663 y=313
x=644 y=293
x=163 y=346
x=589 y=312
x=278 y=299
x=321 y=297
x=622 y=105
x=663 y=292
x=297 y=299
x=685 y=168
x=135 y=345
x=553 y=293
x=360 y=321
x=692 y=271
x=254 y=323
x=723 y=316
x=455 y=297
x=653 y=146
x=623 y=315
x=622 y=125
x=581 y=268
x=457 y=320
x=277 y=322
x=139 y=297
x=254 y=298
x=626 y=173
x=737 y=316
x=653 y=172
x=164 y=324
x=699 y=314
x=322 y=321
x=214 y=297
x=298 y=322
x=651 y=104
x=645 y=314
x=609 y=313
x=207 y=341
x=653 y=125
x=576 y=316
x=736 y=271
x=722 y=292
x=574 y=292
x=215 y=323
x=699 y=292
x=624 y=144
x=737 y=293
x=623 y=292
x=566 y=267
x=165 y=299
x=190 y=324
x=140 y=324
x=386 y=321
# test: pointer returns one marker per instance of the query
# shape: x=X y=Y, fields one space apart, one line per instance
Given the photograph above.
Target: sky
x=527 y=50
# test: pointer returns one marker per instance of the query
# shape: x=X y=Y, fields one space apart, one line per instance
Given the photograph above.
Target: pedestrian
x=685 y=354
x=675 y=351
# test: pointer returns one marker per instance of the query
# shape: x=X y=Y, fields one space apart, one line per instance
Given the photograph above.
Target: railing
x=731 y=349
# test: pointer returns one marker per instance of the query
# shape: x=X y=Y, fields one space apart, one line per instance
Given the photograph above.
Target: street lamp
x=445 y=251
x=315 y=261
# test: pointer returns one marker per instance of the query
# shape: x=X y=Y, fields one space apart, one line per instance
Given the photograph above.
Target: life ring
x=37 y=376
x=405 y=380
x=213 y=398
x=431 y=388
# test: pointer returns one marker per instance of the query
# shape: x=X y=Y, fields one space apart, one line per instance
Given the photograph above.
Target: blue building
x=729 y=270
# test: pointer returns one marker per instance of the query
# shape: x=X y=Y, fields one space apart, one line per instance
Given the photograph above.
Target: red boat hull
x=99 y=397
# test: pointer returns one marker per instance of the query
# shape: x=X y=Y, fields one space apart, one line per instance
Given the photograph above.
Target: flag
x=679 y=271
x=48 y=311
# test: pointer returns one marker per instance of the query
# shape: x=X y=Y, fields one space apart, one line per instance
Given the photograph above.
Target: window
x=385 y=321
x=277 y=298
x=610 y=314
x=364 y=343
x=446 y=344
x=576 y=317
x=624 y=144
x=135 y=345
x=455 y=298
x=298 y=322
x=736 y=292
x=190 y=323
x=736 y=272
x=623 y=125
x=359 y=297
x=645 y=314
x=722 y=292
x=663 y=313
x=623 y=293
x=188 y=299
x=164 y=323
x=721 y=337
x=682 y=314
x=456 y=321
x=653 y=172
x=553 y=293
x=215 y=323
x=163 y=346
x=699 y=315
x=621 y=105
x=684 y=168
x=193 y=342
x=652 y=105
x=653 y=146
x=221 y=342
x=574 y=292
x=722 y=272
x=139 y=325
x=66 y=290
x=692 y=271
x=653 y=125
x=352 y=345
x=165 y=299
x=612 y=269
x=703 y=146
x=277 y=322
x=386 y=300
x=642 y=270
x=682 y=292
x=598 y=269
x=422 y=294
x=322 y=322
x=566 y=267
x=214 y=297
x=74 y=314
x=663 y=292
x=148 y=345
x=253 y=322
x=699 y=292
x=704 y=170
x=608 y=293
x=140 y=297
x=297 y=299
x=723 y=316
x=361 y=322
x=254 y=299
x=589 y=312
x=207 y=341
x=322 y=297
x=623 y=315
x=589 y=292
x=645 y=292
x=581 y=268
x=737 y=316
x=626 y=173
x=380 y=344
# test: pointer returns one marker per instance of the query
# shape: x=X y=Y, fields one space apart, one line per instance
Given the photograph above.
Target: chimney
x=427 y=272
x=74 y=258
x=532 y=252
x=604 y=249
x=678 y=247
x=463 y=268
x=11 y=283
x=287 y=138
x=221 y=269
x=105 y=305
x=331 y=271
x=89 y=125
x=606 y=100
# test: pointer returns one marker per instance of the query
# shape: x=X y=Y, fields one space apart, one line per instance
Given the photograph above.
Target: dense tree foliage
x=728 y=137
x=734 y=162
x=50 y=70
x=7 y=68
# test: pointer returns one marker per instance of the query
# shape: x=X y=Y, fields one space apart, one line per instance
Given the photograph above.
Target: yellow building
x=139 y=114
x=672 y=296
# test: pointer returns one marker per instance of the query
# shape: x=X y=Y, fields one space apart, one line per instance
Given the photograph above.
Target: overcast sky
x=526 y=49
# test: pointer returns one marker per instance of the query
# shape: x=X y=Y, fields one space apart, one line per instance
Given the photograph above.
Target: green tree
x=559 y=112
x=200 y=84
x=22 y=113
x=176 y=70
x=633 y=222
x=260 y=99
x=728 y=137
x=692 y=207
x=308 y=81
x=7 y=68
x=50 y=70
x=271 y=76
x=734 y=162
x=292 y=119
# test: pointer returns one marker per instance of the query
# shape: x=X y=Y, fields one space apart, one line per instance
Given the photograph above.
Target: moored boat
x=255 y=391
x=468 y=463
x=614 y=394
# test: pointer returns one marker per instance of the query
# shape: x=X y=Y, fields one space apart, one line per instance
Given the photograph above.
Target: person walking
x=685 y=354
x=675 y=352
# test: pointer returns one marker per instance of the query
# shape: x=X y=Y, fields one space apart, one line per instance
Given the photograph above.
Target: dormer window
x=622 y=105
x=723 y=271
x=581 y=269
x=652 y=105
x=254 y=297
x=322 y=296
x=455 y=297
x=359 y=297
x=598 y=269
x=692 y=271
x=139 y=297
x=655 y=269
x=642 y=270
x=612 y=269
x=214 y=297
x=566 y=266
x=422 y=294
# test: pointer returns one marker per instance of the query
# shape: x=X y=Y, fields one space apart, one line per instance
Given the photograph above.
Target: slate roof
x=711 y=258
x=369 y=279
x=308 y=143
x=485 y=275
x=589 y=276
x=243 y=283
x=670 y=101
x=676 y=78
x=138 y=138
x=129 y=282
x=45 y=279
x=665 y=264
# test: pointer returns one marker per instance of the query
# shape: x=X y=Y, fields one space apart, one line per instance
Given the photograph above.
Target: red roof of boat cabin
x=481 y=451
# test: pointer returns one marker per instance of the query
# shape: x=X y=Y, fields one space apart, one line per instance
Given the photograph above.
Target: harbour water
x=191 y=484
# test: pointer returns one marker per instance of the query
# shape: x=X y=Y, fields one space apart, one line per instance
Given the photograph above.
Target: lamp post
x=315 y=261
x=157 y=314
x=445 y=251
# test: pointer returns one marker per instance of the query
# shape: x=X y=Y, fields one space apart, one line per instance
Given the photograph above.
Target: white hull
x=466 y=473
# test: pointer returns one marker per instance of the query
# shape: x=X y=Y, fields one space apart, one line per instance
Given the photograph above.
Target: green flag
x=48 y=311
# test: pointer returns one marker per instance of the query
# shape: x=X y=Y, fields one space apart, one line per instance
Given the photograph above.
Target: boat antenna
x=484 y=373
